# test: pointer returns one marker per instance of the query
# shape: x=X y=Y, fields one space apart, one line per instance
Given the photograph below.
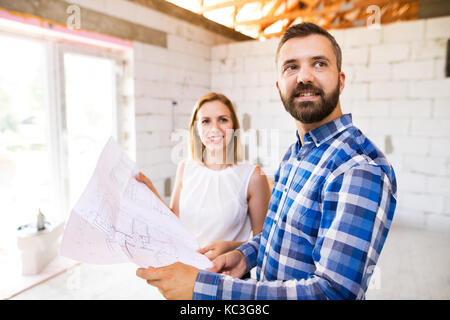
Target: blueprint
x=118 y=219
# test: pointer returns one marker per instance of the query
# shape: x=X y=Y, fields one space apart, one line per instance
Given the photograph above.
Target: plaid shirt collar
x=324 y=133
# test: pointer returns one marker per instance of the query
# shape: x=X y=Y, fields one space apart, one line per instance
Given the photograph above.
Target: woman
x=220 y=199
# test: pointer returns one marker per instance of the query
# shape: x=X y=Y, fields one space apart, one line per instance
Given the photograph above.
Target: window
x=59 y=104
x=24 y=136
x=90 y=117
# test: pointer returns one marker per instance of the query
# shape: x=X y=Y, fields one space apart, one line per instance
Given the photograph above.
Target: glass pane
x=90 y=115
x=25 y=178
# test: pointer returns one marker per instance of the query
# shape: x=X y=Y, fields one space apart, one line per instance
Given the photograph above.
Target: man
x=333 y=201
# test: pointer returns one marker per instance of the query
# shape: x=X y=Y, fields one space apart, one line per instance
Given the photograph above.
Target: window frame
x=61 y=48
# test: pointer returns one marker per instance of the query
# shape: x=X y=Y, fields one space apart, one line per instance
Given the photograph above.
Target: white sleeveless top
x=213 y=203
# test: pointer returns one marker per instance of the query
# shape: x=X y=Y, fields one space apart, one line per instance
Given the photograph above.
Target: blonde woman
x=219 y=198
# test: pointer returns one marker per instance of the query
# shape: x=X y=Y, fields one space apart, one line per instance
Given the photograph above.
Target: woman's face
x=214 y=125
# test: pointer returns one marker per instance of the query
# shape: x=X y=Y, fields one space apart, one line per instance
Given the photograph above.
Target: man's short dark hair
x=305 y=29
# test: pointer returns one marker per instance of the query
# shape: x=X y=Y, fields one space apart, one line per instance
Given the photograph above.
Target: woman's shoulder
x=258 y=176
x=258 y=173
x=189 y=167
x=258 y=183
x=250 y=172
x=183 y=166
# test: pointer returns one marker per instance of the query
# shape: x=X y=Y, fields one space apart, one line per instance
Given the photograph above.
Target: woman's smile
x=216 y=139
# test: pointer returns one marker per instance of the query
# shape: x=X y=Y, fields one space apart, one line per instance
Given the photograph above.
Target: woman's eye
x=223 y=119
x=205 y=121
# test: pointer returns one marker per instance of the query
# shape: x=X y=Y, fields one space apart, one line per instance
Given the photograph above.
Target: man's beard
x=311 y=111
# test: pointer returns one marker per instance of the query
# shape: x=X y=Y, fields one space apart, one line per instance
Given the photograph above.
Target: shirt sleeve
x=250 y=251
x=357 y=209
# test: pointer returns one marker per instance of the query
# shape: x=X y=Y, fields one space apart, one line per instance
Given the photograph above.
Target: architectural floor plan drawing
x=118 y=219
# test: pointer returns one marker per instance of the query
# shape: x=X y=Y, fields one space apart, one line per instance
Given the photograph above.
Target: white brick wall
x=388 y=89
x=408 y=100
x=419 y=70
x=404 y=32
x=358 y=37
x=437 y=28
x=389 y=52
x=437 y=88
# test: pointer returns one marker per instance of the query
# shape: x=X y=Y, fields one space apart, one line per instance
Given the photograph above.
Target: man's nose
x=304 y=75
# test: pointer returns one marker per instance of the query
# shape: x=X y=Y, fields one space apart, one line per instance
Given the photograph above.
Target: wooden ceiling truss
x=330 y=14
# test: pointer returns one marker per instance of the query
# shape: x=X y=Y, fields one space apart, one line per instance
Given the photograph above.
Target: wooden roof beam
x=275 y=7
x=307 y=12
x=312 y=4
x=271 y=13
x=226 y=4
x=289 y=15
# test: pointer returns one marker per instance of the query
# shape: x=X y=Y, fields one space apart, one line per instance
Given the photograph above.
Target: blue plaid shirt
x=330 y=212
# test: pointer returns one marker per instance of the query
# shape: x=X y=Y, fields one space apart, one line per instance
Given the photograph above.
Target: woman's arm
x=145 y=180
x=216 y=248
x=175 y=201
x=258 y=196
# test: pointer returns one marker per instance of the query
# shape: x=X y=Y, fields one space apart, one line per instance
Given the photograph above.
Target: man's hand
x=232 y=263
x=175 y=281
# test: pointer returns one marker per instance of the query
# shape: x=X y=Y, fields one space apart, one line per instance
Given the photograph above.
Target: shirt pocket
x=303 y=218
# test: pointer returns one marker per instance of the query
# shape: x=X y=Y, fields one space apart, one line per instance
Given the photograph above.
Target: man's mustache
x=301 y=87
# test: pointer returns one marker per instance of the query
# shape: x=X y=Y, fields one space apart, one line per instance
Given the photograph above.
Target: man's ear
x=342 y=81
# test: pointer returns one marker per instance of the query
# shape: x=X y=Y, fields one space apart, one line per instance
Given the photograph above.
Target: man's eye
x=320 y=64
x=290 y=67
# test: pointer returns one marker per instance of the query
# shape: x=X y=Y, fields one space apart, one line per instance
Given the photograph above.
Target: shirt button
x=285 y=189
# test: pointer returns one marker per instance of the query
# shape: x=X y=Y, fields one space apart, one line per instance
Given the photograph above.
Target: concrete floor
x=414 y=264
